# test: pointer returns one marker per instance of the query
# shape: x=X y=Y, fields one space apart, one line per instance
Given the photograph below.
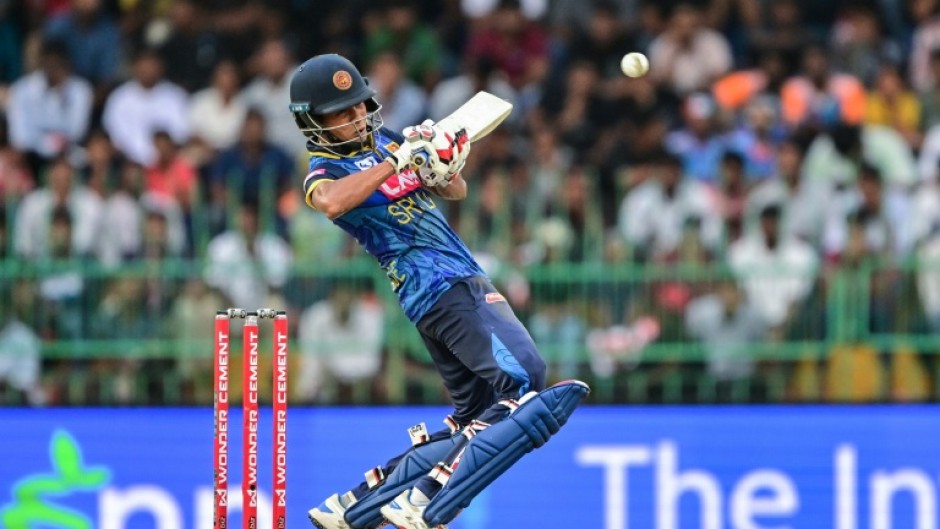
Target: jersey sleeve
x=389 y=141
x=320 y=171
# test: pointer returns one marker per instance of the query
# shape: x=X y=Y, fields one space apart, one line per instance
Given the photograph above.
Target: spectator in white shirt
x=728 y=325
x=481 y=74
x=882 y=213
x=688 y=56
x=928 y=277
x=833 y=158
x=340 y=341
x=268 y=92
x=653 y=214
x=928 y=162
x=924 y=216
x=550 y=162
x=403 y=102
x=62 y=292
x=775 y=272
x=245 y=264
x=21 y=359
x=475 y=9
x=33 y=217
x=144 y=105
x=125 y=213
x=216 y=113
x=804 y=202
x=49 y=109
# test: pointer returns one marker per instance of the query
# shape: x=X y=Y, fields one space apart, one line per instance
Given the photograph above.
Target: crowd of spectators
x=777 y=140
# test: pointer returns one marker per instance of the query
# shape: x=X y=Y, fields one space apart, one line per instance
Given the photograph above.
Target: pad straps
x=442 y=471
x=451 y=424
x=374 y=477
x=348 y=499
x=474 y=428
x=419 y=434
x=514 y=404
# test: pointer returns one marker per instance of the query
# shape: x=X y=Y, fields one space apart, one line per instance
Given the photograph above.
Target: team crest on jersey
x=342 y=80
x=399 y=185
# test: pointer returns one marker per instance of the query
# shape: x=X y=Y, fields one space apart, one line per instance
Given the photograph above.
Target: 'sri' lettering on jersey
x=401 y=225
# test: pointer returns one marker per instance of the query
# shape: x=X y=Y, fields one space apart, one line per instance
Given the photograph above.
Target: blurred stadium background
x=757 y=221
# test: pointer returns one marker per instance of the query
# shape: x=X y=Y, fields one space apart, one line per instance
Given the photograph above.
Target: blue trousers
x=480 y=348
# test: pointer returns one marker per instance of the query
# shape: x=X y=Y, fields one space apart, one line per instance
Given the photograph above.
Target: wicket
x=250 y=417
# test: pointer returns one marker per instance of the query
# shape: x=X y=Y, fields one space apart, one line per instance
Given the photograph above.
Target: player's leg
x=480 y=334
x=359 y=507
x=479 y=329
x=532 y=421
x=331 y=513
x=480 y=348
x=471 y=396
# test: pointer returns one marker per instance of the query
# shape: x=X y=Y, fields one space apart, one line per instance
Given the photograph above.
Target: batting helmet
x=325 y=84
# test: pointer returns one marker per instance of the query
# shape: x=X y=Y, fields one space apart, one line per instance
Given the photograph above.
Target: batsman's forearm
x=335 y=197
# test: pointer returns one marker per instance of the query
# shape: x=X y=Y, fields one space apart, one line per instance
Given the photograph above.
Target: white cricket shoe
x=329 y=514
x=403 y=514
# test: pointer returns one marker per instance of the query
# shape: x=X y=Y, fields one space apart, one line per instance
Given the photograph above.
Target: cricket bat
x=478 y=117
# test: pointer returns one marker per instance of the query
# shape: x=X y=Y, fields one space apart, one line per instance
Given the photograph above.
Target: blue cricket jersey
x=400 y=225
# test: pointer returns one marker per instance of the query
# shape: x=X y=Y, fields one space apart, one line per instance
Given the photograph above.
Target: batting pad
x=364 y=513
x=492 y=451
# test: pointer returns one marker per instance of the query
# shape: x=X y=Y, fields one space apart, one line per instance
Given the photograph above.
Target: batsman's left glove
x=460 y=141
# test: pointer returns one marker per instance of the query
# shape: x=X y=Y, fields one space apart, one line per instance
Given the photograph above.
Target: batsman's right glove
x=402 y=157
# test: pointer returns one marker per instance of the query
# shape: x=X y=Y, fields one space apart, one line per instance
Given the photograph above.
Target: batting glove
x=462 y=148
x=401 y=158
x=460 y=141
x=432 y=153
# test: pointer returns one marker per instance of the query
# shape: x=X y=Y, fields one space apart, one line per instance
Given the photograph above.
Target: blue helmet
x=325 y=84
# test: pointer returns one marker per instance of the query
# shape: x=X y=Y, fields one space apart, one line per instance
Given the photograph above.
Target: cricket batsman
x=363 y=178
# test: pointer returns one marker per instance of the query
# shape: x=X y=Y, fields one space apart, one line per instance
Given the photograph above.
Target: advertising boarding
x=609 y=468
